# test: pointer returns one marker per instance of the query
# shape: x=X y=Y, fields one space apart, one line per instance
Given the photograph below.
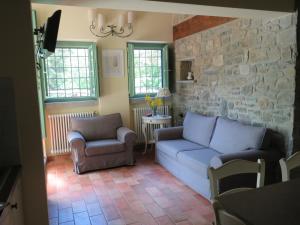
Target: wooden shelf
x=186 y=81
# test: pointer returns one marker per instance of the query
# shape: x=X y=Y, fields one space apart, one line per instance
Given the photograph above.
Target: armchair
x=100 y=142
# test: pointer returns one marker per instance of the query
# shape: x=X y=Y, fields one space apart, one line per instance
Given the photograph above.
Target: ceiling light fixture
x=98 y=28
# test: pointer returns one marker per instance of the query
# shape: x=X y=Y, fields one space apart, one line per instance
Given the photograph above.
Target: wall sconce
x=99 y=29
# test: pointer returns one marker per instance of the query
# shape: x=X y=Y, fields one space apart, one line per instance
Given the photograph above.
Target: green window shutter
x=130 y=57
x=94 y=66
x=39 y=81
x=165 y=61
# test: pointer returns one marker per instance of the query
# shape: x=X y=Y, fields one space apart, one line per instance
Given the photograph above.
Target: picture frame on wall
x=113 y=62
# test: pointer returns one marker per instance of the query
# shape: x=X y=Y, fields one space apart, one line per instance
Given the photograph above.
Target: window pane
x=66 y=52
x=81 y=52
x=147 y=71
x=69 y=73
x=67 y=61
x=76 y=83
x=81 y=61
x=68 y=84
x=74 y=61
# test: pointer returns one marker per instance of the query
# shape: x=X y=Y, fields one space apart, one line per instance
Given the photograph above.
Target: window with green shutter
x=71 y=73
x=147 y=68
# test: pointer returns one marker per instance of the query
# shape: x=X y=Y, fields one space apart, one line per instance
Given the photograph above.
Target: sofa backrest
x=98 y=127
x=232 y=136
x=198 y=128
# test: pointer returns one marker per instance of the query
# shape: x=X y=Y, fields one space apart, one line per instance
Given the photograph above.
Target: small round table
x=149 y=123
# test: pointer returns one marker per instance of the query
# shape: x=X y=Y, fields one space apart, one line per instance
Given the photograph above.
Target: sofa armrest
x=169 y=133
x=76 y=140
x=126 y=135
x=251 y=155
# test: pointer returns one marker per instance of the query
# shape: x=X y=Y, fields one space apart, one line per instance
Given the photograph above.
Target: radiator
x=138 y=113
x=59 y=127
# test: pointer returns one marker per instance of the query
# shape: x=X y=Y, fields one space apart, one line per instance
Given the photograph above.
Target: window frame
x=93 y=64
x=131 y=46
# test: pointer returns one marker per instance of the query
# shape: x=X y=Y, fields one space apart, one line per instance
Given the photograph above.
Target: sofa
x=203 y=141
x=100 y=142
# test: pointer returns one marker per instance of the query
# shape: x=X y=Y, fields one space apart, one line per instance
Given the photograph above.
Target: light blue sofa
x=188 y=151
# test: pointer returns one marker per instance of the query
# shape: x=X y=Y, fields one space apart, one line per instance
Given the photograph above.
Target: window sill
x=72 y=102
x=140 y=100
x=137 y=100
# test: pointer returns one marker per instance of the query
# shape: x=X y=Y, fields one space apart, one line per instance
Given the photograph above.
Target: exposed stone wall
x=296 y=134
x=245 y=70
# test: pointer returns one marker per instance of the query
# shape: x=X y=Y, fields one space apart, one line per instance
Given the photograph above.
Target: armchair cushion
x=198 y=128
x=98 y=127
x=232 y=136
x=169 y=133
x=108 y=146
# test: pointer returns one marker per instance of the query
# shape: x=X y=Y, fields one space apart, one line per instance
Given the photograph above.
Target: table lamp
x=163 y=93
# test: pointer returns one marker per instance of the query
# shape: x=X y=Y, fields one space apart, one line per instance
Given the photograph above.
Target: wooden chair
x=235 y=167
x=288 y=164
x=222 y=217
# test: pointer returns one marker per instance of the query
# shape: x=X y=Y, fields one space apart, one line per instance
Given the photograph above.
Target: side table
x=153 y=122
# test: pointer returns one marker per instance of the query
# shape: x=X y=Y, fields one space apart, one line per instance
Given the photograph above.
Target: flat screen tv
x=47 y=35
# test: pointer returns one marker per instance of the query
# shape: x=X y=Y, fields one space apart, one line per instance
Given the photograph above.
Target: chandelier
x=98 y=28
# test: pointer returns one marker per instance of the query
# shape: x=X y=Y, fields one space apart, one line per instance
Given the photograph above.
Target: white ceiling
x=165 y=7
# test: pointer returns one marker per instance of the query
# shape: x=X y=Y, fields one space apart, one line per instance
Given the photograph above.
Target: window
x=147 y=68
x=71 y=72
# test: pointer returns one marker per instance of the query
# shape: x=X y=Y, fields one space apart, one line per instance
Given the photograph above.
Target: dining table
x=276 y=204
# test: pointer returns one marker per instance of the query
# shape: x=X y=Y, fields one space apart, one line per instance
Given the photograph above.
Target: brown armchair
x=100 y=142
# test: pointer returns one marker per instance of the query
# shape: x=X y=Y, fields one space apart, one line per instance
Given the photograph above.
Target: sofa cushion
x=102 y=147
x=173 y=147
x=197 y=160
x=232 y=136
x=98 y=127
x=198 y=128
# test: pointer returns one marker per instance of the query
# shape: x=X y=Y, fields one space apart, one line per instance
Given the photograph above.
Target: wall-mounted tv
x=47 y=35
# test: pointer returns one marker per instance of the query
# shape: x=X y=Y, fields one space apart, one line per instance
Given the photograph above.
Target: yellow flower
x=148 y=98
x=158 y=101
x=152 y=104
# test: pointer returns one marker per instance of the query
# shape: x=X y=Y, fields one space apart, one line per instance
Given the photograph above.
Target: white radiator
x=59 y=127
x=138 y=113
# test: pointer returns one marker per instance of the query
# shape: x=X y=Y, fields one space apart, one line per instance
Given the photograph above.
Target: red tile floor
x=144 y=194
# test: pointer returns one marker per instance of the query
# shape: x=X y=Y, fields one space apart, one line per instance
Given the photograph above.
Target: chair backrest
x=222 y=217
x=288 y=164
x=98 y=127
x=235 y=167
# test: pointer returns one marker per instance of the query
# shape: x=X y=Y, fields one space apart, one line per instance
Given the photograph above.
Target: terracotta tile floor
x=144 y=194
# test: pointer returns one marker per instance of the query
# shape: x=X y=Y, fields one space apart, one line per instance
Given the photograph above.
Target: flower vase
x=154 y=111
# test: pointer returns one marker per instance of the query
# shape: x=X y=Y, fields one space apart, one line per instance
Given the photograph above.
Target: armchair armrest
x=169 y=133
x=76 y=140
x=251 y=155
x=126 y=135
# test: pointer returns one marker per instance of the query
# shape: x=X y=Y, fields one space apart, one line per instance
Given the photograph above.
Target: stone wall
x=296 y=131
x=245 y=70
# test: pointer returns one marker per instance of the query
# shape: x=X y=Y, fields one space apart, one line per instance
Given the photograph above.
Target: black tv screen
x=51 y=31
